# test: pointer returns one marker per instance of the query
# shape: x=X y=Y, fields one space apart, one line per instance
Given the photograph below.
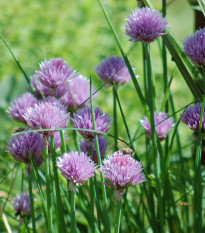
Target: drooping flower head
x=46 y=115
x=145 y=24
x=77 y=92
x=122 y=170
x=115 y=69
x=40 y=89
x=19 y=106
x=77 y=167
x=162 y=126
x=25 y=146
x=54 y=73
x=191 y=117
x=194 y=47
x=22 y=205
x=83 y=119
x=84 y=146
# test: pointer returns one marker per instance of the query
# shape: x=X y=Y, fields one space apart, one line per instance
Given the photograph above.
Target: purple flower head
x=191 y=117
x=40 y=89
x=77 y=91
x=194 y=47
x=122 y=170
x=162 y=128
x=113 y=68
x=24 y=146
x=54 y=73
x=84 y=146
x=22 y=205
x=46 y=115
x=83 y=119
x=55 y=102
x=19 y=106
x=77 y=167
x=145 y=24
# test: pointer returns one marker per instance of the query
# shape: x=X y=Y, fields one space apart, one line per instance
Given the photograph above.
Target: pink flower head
x=83 y=119
x=145 y=24
x=77 y=167
x=46 y=115
x=54 y=73
x=162 y=126
x=19 y=106
x=122 y=170
x=76 y=93
x=22 y=205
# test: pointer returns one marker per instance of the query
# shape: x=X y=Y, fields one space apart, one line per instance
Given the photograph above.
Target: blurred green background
x=77 y=32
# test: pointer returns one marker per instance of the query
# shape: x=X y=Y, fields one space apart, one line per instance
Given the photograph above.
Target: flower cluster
x=194 y=47
x=163 y=124
x=19 y=106
x=122 y=170
x=48 y=114
x=113 y=69
x=26 y=146
x=54 y=73
x=83 y=120
x=84 y=146
x=22 y=205
x=191 y=117
x=76 y=93
x=77 y=167
x=145 y=24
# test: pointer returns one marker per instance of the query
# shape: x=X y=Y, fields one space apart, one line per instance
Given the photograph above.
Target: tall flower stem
x=197 y=183
x=59 y=215
x=22 y=177
x=63 y=141
x=100 y=163
x=73 y=223
x=155 y=156
x=48 y=190
x=31 y=203
x=118 y=217
x=92 y=198
x=115 y=120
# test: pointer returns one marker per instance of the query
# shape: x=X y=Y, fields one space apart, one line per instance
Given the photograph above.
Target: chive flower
x=83 y=120
x=77 y=167
x=115 y=69
x=162 y=126
x=54 y=73
x=194 y=47
x=22 y=205
x=191 y=117
x=121 y=170
x=74 y=96
x=19 y=106
x=47 y=115
x=40 y=89
x=145 y=24
x=84 y=146
x=24 y=146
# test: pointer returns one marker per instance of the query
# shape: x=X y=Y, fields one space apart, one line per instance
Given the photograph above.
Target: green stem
x=73 y=223
x=99 y=162
x=115 y=119
x=63 y=141
x=59 y=215
x=197 y=183
x=22 y=177
x=31 y=204
x=75 y=136
x=155 y=158
x=48 y=190
x=118 y=217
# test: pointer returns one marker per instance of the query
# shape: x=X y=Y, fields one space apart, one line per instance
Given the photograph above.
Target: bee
x=19 y=130
x=127 y=150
